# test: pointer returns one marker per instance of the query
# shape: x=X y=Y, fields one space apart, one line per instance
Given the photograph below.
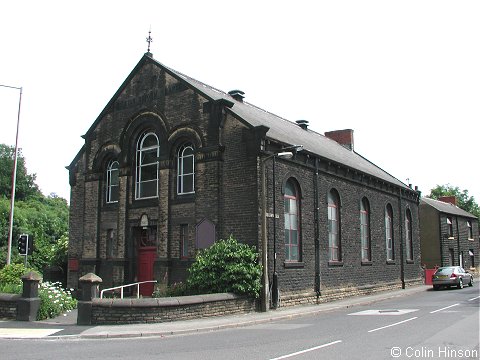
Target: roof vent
x=303 y=124
x=237 y=95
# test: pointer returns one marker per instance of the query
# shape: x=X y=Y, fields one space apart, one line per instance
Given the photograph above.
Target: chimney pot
x=237 y=94
x=303 y=124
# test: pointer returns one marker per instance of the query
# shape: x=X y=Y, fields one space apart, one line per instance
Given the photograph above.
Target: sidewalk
x=66 y=327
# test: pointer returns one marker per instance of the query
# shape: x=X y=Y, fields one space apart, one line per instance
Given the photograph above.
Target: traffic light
x=30 y=244
x=22 y=244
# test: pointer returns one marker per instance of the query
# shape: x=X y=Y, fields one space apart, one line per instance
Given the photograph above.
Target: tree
x=464 y=201
x=25 y=186
x=45 y=219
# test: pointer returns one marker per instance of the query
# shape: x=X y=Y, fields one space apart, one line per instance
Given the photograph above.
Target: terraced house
x=171 y=165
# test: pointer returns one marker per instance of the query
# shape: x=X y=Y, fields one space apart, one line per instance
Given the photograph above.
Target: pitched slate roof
x=288 y=132
x=446 y=208
x=280 y=129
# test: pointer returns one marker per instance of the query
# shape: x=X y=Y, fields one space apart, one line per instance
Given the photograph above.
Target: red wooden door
x=146 y=258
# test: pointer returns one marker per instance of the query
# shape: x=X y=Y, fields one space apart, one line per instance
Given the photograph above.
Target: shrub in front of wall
x=54 y=300
x=226 y=266
x=12 y=274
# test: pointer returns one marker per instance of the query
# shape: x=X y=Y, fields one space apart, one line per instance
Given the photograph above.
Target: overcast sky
x=404 y=75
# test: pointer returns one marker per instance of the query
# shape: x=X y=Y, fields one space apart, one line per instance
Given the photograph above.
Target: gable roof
x=446 y=208
x=288 y=132
x=280 y=129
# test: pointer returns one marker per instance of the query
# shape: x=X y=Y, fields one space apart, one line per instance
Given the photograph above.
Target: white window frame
x=365 y=230
x=181 y=175
x=389 y=244
x=141 y=150
x=110 y=186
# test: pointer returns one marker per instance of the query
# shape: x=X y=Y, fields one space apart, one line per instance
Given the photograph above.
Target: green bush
x=227 y=266
x=12 y=274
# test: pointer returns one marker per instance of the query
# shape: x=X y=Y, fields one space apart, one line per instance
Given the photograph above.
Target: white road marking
x=447 y=307
x=398 y=323
x=26 y=333
x=475 y=298
x=306 y=350
x=388 y=312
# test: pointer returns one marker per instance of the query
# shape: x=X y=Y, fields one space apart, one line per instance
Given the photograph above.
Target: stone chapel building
x=171 y=165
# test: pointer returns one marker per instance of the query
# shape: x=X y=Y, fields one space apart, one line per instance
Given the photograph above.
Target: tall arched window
x=186 y=170
x=292 y=222
x=334 y=242
x=389 y=233
x=112 y=182
x=409 y=235
x=146 y=184
x=365 y=230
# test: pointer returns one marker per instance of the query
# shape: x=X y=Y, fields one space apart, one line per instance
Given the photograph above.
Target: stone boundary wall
x=8 y=306
x=138 y=311
x=333 y=294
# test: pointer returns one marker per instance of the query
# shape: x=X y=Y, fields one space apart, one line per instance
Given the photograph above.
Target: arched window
x=409 y=235
x=334 y=242
x=186 y=170
x=146 y=183
x=112 y=182
x=292 y=222
x=365 y=230
x=389 y=233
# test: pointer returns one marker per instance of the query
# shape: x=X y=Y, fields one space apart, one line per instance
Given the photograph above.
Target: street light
x=14 y=177
x=265 y=298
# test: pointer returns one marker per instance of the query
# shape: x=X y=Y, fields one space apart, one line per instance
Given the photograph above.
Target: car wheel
x=436 y=287
x=471 y=281
x=460 y=284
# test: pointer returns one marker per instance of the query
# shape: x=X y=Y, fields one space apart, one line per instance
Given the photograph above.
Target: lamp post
x=265 y=293
x=14 y=177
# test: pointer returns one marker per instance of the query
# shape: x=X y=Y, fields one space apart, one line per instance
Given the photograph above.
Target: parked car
x=451 y=276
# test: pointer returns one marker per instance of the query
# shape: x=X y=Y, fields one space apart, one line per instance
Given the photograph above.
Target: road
x=427 y=325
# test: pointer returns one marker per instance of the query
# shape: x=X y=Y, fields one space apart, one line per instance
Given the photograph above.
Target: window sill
x=470 y=239
x=139 y=203
x=390 y=262
x=367 y=263
x=294 y=264
x=335 y=263
x=184 y=198
x=451 y=238
x=410 y=262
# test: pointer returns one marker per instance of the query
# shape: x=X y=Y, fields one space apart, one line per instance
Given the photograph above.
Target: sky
x=404 y=75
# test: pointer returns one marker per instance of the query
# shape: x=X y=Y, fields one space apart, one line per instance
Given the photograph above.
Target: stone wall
x=8 y=306
x=137 y=311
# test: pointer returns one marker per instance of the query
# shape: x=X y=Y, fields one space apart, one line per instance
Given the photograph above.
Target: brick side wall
x=136 y=311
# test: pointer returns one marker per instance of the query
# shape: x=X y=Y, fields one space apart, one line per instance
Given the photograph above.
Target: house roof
x=280 y=129
x=446 y=208
x=288 y=132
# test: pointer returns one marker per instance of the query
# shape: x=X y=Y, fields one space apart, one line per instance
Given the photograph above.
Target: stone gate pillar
x=90 y=290
x=29 y=303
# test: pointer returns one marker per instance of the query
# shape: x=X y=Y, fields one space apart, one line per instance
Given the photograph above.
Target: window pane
x=287 y=252
x=294 y=237
x=149 y=172
x=188 y=183
x=287 y=221
x=150 y=140
x=148 y=188
x=149 y=157
x=188 y=165
x=113 y=194
x=294 y=253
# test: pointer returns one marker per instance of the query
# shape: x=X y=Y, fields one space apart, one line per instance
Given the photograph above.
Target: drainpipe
x=460 y=258
x=317 y=230
x=402 y=266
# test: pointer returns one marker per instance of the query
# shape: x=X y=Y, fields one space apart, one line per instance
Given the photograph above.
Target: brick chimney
x=448 y=199
x=343 y=137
